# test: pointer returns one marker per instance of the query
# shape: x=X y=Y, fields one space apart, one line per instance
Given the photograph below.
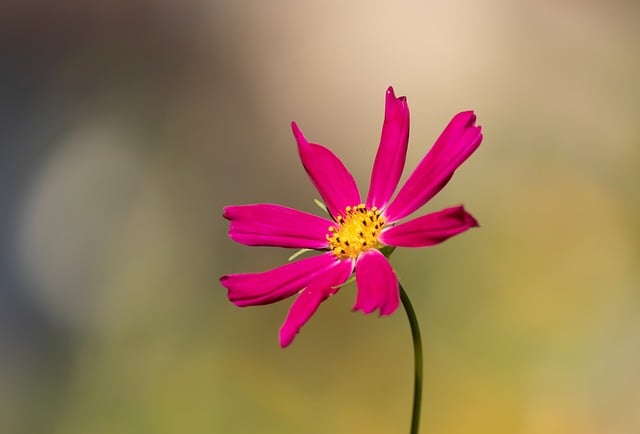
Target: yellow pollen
x=355 y=232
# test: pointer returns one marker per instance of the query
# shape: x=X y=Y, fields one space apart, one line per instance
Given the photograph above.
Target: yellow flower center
x=356 y=232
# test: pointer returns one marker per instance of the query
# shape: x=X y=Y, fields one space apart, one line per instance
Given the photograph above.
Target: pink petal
x=275 y=225
x=392 y=151
x=456 y=143
x=253 y=289
x=323 y=286
x=429 y=229
x=377 y=284
x=330 y=177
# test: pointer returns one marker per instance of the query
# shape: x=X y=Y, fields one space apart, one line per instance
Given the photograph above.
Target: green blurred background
x=125 y=126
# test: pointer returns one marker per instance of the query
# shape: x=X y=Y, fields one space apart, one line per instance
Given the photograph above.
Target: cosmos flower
x=358 y=230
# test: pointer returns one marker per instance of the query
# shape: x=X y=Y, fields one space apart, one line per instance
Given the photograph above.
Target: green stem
x=417 y=360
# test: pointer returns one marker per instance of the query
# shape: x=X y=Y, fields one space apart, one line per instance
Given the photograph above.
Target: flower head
x=357 y=231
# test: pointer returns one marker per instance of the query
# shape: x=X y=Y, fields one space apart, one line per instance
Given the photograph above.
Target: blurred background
x=125 y=126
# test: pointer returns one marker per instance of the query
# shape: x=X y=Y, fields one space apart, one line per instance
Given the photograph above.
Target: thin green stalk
x=417 y=360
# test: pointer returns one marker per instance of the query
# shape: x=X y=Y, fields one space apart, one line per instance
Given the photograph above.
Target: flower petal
x=330 y=177
x=392 y=151
x=253 y=289
x=430 y=229
x=456 y=143
x=323 y=286
x=275 y=225
x=377 y=284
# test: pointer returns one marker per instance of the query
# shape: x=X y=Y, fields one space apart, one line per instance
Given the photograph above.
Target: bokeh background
x=125 y=126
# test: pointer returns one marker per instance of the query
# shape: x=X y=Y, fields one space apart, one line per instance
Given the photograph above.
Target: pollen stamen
x=357 y=231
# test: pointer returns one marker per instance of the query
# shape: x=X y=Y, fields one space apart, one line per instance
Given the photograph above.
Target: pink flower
x=353 y=239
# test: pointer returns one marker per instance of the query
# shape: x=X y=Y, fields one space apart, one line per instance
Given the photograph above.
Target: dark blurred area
x=125 y=126
x=85 y=68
